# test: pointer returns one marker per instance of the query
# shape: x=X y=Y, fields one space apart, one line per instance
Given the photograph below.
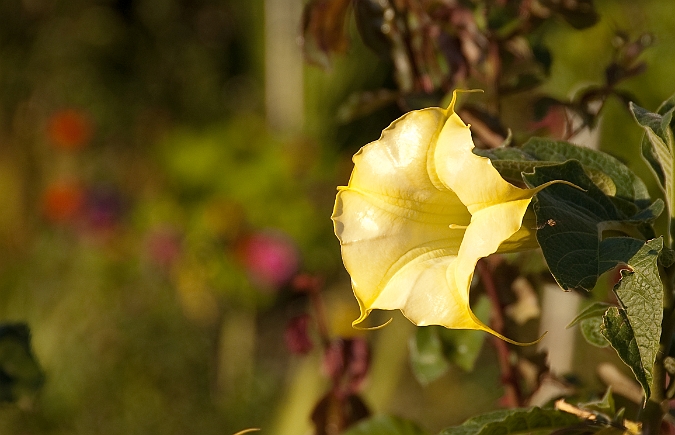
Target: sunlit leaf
x=514 y=421
x=591 y=330
x=590 y=322
x=634 y=328
x=596 y=309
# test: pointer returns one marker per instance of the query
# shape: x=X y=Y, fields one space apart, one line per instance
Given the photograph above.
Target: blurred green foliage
x=152 y=224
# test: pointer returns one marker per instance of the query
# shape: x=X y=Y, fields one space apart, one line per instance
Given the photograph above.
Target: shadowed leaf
x=20 y=373
x=570 y=223
x=324 y=30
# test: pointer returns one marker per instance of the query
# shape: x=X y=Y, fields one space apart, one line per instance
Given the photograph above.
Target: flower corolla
x=419 y=211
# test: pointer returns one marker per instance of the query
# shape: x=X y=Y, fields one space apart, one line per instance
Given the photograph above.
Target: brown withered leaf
x=580 y=14
x=324 y=30
x=335 y=412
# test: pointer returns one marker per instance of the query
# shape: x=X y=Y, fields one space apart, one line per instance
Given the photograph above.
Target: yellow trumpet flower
x=418 y=213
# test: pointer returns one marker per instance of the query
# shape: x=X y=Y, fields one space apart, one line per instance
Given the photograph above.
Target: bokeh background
x=167 y=175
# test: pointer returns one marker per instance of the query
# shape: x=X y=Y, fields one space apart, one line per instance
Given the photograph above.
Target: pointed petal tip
x=451 y=106
x=517 y=343
x=355 y=325
x=482 y=327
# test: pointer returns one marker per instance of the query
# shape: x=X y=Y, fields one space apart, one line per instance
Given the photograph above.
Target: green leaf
x=514 y=421
x=570 y=222
x=385 y=425
x=591 y=330
x=579 y=14
x=667 y=257
x=427 y=358
x=590 y=322
x=464 y=345
x=595 y=310
x=605 y=406
x=634 y=329
x=616 y=328
x=628 y=185
x=434 y=347
x=657 y=145
x=609 y=174
x=20 y=373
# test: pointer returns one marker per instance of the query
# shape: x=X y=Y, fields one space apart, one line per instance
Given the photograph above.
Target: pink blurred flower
x=163 y=246
x=270 y=258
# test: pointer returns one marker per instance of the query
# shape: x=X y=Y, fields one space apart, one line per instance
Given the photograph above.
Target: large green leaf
x=514 y=421
x=384 y=425
x=570 y=222
x=634 y=328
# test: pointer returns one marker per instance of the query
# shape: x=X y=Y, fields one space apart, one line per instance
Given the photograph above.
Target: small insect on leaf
x=550 y=223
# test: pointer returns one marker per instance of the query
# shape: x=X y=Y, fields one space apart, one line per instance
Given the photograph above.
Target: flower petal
x=392 y=217
x=473 y=178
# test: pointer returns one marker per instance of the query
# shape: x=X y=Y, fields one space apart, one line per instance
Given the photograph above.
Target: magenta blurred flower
x=270 y=258
x=103 y=207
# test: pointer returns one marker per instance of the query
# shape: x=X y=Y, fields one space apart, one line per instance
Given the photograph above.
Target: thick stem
x=657 y=405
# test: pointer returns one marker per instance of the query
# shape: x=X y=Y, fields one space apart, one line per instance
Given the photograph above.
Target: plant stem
x=320 y=316
x=512 y=395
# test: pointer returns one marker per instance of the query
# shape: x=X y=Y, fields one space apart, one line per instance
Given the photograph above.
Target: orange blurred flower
x=69 y=129
x=62 y=201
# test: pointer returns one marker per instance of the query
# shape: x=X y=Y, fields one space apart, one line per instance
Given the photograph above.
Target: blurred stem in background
x=284 y=93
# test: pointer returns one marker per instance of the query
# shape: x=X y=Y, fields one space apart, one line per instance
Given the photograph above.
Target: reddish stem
x=320 y=314
x=512 y=395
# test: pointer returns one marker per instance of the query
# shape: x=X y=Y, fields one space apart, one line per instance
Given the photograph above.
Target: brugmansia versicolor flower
x=420 y=210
